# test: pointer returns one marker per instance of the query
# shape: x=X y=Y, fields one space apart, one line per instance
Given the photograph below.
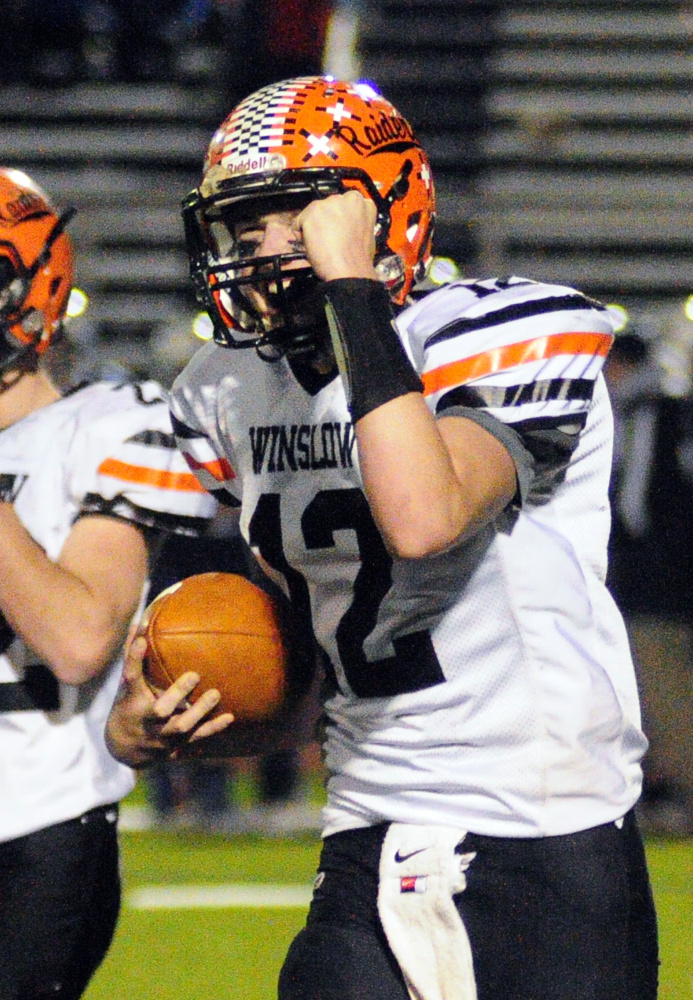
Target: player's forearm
x=411 y=485
x=408 y=476
x=52 y=610
x=430 y=483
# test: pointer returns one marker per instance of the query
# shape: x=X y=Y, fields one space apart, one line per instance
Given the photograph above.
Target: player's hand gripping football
x=145 y=727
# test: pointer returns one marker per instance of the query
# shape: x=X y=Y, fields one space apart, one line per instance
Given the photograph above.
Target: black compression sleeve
x=370 y=356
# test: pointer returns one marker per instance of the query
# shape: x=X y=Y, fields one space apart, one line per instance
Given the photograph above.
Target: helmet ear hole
x=400 y=187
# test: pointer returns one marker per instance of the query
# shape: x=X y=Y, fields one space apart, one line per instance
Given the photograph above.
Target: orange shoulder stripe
x=186 y=482
x=500 y=358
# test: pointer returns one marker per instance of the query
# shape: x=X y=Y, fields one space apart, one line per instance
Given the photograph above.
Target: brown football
x=236 y=637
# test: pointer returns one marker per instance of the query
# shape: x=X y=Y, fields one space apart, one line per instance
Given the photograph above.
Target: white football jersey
x=105 y=449
x=490 y=687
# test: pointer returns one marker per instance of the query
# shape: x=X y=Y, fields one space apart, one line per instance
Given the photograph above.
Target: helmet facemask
x=294 y=322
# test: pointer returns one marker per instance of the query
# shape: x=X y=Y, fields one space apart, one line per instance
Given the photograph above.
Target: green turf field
x=229 y=952
x=210 y=953
x=671 y=867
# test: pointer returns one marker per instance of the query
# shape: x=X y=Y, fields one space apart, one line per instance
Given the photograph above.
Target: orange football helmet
x=35 y=267
x=285 y=145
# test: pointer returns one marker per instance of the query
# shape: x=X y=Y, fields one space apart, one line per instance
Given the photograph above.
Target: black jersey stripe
x=571 y=423
x=10 y=485
x=517 y=311
x=225 y=498
x=123 y=509
x=482 y=289
x=37 y=691
x=182 y=430
x=154 y=439
x=497 y=396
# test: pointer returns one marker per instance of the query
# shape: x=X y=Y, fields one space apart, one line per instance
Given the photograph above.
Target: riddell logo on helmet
x=27 y=204
x=387 y=133
x=256 y=164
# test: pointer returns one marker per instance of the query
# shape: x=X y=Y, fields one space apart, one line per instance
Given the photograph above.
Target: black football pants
x=557 y=918
x=59 y=902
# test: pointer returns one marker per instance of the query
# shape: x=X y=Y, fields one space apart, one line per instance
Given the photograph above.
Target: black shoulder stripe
x=73 y=389
x=513 y=282
x=225 y=498
x=520 y=310
x=146 y=393
x=156 y=439
x=497 y=396
x=10 y=485
x=571 y=424
x=182 y=430
x=482 y=289
x=123 y=509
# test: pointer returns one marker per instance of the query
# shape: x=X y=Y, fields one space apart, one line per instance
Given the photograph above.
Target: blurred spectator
x=260 y=41
x=651 y=570
x=66 y=41
x=280 y=39
x=139 y=40
x=40 y=41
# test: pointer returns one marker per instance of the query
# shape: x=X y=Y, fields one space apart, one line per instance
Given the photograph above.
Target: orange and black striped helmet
x=36 y=268
x=302 y=139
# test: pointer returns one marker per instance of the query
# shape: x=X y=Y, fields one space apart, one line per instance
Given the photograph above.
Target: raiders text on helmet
x=35 y=268
x=285 y=145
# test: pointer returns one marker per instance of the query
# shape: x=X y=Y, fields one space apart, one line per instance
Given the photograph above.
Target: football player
x=427 y=479
x=87 y=481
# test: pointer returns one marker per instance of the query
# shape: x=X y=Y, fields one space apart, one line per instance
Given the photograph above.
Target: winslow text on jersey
x=302 y=446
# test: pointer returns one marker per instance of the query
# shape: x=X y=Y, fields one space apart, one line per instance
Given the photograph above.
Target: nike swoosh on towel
x=399 y=858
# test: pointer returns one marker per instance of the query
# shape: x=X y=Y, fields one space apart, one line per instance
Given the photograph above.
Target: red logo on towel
x=413 y=883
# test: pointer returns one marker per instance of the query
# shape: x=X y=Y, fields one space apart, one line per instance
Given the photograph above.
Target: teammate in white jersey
x=427 y=479
x=87 y=481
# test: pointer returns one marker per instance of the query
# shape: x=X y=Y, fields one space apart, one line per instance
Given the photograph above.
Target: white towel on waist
x=419 y=872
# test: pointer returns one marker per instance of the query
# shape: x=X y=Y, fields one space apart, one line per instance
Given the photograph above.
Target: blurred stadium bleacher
x=560 y=135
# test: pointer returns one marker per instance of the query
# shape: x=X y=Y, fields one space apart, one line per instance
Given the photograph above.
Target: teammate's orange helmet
x=35 y=267
x=303 y=139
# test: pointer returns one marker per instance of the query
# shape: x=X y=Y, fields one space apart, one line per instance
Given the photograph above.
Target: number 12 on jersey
x=414 y=664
